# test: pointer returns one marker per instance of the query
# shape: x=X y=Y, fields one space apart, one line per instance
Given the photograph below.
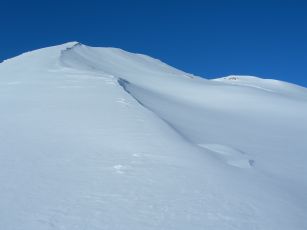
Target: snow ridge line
x=124 y=84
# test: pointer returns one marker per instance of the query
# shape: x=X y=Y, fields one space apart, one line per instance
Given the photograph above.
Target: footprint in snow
x=123 y=101
x=110 y=82
x=120 y=169
x=136 y=155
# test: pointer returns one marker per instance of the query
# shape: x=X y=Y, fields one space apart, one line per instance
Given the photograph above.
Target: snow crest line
x=124 y=84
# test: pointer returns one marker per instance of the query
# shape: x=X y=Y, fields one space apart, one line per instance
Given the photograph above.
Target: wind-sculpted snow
x=100 y=138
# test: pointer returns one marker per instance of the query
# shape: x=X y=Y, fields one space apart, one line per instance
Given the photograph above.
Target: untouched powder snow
x=100 y=138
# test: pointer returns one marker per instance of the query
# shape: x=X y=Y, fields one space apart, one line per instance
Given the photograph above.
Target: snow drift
x=100 y=138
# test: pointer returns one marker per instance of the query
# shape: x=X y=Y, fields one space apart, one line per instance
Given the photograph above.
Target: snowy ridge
x=100 y=138
x=269 y=85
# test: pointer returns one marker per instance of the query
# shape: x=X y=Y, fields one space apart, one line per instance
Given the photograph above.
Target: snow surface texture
x=99 y=138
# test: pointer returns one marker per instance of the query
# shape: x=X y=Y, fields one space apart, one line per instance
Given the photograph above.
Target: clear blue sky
x=266 y=38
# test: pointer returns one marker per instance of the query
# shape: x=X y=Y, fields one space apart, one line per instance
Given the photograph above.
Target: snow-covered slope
x=99 y=138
